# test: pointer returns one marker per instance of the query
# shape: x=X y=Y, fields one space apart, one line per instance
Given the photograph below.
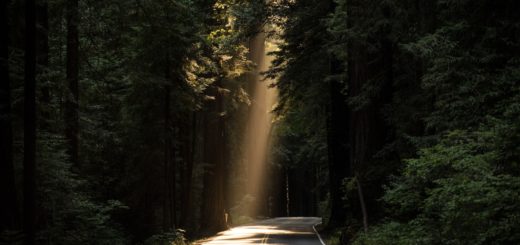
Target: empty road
x=286 y=230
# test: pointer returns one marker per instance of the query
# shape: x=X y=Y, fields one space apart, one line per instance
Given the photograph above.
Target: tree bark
x=42 y=60
x=288 y=190
x=368 y=128
x=173 y=179
x=9 y=216
x=72 y=97
x=213 y=207
x=337 y=139
x=362 y=204
x=30 y=123
x=169 y=152
x=167 y=146
x=188 y=174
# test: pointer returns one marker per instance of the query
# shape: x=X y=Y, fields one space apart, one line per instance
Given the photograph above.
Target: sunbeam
x=256 y=137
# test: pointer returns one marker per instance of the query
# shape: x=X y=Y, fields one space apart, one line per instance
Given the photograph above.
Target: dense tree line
x=118 y=115
x=122 y=122
x=412 y=106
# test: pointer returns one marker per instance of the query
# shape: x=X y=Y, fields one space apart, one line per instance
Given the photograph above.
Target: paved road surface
x=281 y=231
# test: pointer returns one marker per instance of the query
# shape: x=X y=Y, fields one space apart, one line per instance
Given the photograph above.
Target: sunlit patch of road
x=282 y=231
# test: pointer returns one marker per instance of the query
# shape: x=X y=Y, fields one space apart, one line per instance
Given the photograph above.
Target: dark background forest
x=123 y=122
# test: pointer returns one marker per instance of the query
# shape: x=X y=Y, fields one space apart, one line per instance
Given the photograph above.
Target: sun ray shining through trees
x=253 y=121
x=258 y=128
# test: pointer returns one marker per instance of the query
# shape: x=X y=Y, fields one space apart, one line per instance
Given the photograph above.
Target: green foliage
x=72 y=214
x=167 y=238
x=248 y=16
x=239 y=213
x=300 y=66
x=396 y=233
x=453 y=193
x=131 y=54
x=462 y=187
x=333 y=238
x=438 y=81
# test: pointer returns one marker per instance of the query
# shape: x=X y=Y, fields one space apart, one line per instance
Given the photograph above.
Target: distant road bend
x=281 y=231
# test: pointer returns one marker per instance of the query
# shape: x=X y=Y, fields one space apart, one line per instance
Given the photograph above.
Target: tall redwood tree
x=29 y=161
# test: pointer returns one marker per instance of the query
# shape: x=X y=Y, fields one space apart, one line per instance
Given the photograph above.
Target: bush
x=168 y=238
x=455 y=192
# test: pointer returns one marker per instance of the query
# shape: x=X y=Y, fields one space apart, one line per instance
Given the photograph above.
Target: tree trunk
x=173 y=179
x=188 y=174
x=9 y=215
x=72 y=97
x=362 y=204
x=170 y=181
x=220 y=202
x=167 y=146
x=213 y=213
x=29 y=161
x=337 y=139
x=288 y=190
x=368 y=126
x=42 y=60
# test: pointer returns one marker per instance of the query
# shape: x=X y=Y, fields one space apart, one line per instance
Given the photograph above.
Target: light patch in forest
x=253 y=234
x=259 y=124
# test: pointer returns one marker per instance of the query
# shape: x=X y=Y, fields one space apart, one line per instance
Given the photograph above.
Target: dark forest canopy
x=124 y=122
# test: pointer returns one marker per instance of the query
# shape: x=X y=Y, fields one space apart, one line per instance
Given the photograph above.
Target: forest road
x=281 y=231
